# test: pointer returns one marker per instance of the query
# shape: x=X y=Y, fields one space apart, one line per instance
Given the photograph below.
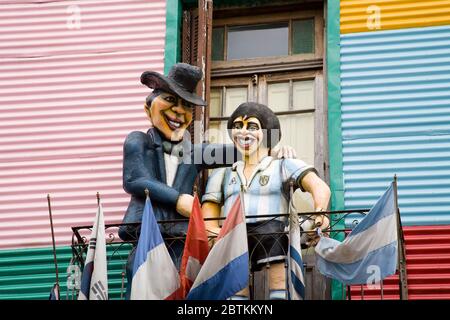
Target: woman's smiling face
x=247 y=134
x=171 y=115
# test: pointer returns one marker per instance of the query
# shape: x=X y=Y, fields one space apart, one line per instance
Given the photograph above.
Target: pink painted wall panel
x=69 y=95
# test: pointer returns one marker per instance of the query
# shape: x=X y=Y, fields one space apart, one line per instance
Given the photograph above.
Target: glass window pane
x=217 y=44
x=233 y=98
x=297 y=130
x=278 y=96
x=303 y=94
x=215 y=103
x=303 y=36
x=257 y=41
x=217 y=132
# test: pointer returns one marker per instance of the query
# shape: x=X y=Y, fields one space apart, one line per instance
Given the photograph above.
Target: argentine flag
x=295 y=276
x=155 y=276
x=225 y=271
x=369 y=250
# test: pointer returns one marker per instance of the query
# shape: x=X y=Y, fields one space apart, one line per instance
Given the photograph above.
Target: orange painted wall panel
x=378 y=15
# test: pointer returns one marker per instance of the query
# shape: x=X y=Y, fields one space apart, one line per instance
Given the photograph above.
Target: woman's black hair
x=269 y=121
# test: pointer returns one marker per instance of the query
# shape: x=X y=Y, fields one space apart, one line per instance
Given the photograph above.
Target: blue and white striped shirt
x=262 y=192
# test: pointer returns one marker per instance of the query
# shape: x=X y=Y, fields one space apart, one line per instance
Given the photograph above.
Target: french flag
x=155 y=276
x=196 y=249
x=225 y=271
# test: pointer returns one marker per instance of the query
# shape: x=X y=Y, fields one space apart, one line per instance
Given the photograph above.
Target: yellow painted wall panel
x=377 y=15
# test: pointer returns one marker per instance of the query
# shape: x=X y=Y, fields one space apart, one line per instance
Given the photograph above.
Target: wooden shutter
x=190 y=47
x=197 y=37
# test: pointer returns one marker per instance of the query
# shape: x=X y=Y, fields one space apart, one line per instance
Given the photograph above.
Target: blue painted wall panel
x=395 y=88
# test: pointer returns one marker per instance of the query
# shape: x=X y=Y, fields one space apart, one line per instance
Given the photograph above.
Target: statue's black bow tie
x=175 y=149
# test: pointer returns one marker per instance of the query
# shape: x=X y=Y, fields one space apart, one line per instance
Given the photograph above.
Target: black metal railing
x=317 y=287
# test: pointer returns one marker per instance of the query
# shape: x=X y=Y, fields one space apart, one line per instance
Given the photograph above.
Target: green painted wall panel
x=334 y=122
x=29 y=274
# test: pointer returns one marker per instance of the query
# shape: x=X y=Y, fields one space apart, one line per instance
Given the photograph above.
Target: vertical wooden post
x=205 y=11
x=204 y=62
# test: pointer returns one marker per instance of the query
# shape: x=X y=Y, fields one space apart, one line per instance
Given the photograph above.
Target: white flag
x=94 y=281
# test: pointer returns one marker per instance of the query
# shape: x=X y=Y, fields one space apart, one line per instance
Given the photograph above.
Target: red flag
x=196 y=249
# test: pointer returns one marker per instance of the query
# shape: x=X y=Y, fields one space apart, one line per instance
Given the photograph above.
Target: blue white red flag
x=196 y=249
x=225 y=271
x=155 y=276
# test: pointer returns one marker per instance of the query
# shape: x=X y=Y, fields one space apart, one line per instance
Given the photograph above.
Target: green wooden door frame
x=172 y=48
x=334 y=122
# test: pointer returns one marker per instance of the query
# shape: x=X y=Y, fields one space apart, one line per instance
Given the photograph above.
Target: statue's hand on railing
x=212 y=234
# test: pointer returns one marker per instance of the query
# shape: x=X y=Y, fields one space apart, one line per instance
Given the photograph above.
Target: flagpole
x=403 y=283
x=53 y=241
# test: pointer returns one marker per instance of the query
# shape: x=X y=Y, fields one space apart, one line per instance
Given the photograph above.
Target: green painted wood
x=334 y=123
x=218 y=35
x=303 y=36
x=172 y=49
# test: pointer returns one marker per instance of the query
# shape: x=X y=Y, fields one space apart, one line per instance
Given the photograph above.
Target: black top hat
x=182 y=81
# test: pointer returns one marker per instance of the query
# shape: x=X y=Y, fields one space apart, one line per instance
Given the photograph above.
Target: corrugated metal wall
x=376 y=15
x=29 y=274
x=428 y=267
x=396 y=120
x=69 y=94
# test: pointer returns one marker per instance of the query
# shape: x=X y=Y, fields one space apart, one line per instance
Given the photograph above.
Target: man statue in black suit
x=161 y=160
